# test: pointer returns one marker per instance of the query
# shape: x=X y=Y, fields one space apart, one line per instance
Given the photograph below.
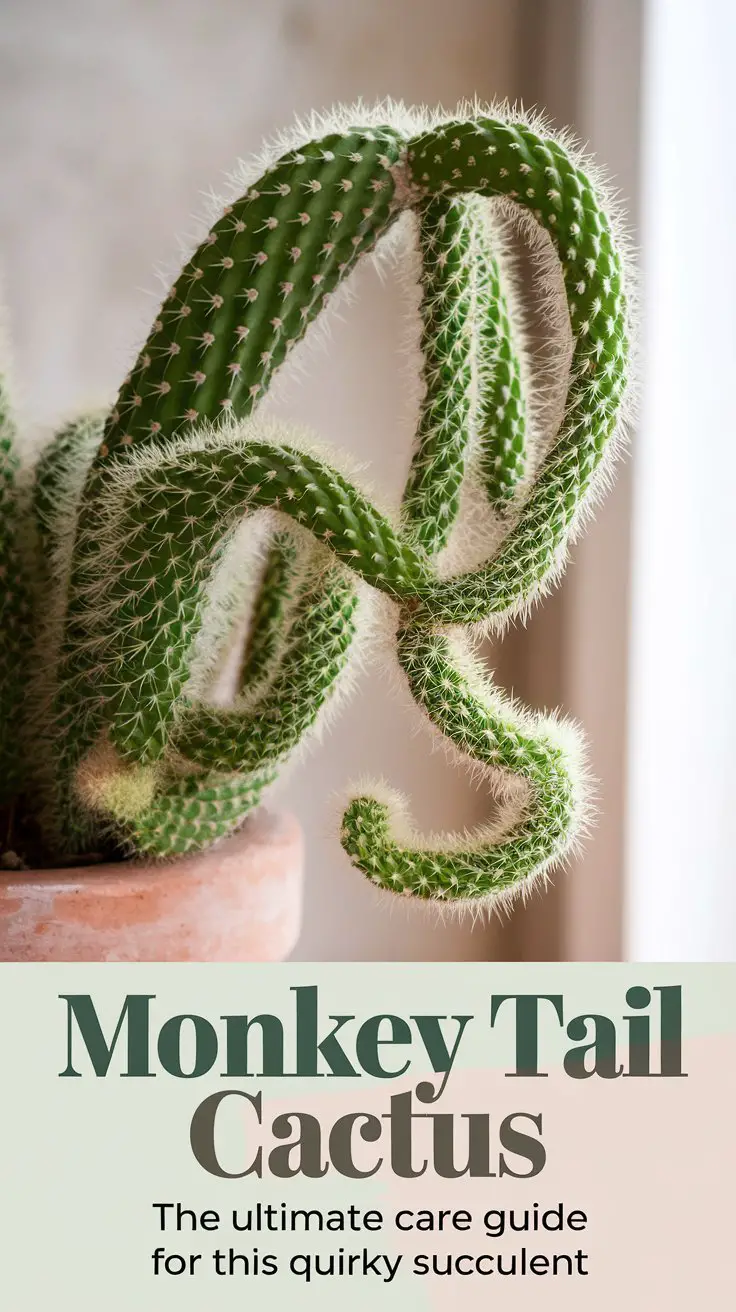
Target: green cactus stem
x=509 y=747
x=15 y=615
x=471 y=371
x=139 y=514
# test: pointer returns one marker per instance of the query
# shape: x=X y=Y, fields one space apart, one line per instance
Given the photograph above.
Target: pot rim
x=263 y=828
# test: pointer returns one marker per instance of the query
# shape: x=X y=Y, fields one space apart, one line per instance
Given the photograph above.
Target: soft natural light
x=682 y=833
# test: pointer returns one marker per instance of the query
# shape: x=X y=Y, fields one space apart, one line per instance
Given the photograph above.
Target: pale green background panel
x=84 y=1159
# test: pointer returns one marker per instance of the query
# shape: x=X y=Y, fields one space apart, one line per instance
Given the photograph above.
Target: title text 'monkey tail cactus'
x=148 y=535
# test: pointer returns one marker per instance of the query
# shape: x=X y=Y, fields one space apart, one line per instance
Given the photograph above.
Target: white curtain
x=681 y=893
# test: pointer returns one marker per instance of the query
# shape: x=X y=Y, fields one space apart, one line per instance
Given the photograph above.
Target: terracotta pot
x=240 y=901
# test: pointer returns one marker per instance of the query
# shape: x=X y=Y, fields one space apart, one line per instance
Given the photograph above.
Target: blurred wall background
x=114 y=118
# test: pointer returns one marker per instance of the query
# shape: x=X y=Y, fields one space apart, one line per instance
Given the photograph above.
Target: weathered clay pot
x=240 y=901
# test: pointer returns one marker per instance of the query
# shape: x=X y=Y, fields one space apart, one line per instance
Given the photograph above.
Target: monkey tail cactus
x=162 y=527
x=15 y=616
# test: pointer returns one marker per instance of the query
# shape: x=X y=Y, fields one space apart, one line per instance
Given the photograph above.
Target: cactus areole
x=149 y=538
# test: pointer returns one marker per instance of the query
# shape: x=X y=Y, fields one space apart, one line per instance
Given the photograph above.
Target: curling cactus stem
x=139 y=512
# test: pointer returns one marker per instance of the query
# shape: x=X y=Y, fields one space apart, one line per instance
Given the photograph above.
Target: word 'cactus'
x=151 y=536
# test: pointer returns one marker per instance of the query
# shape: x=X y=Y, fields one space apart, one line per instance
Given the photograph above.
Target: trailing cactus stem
x=538 y=824
x=150 y=521
x=490 y=159
x=15 y=614
x=432 y=494
x=250 y=291
x=193 y=811
x=267 y=623
x=471 y=371
x=268 y=729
